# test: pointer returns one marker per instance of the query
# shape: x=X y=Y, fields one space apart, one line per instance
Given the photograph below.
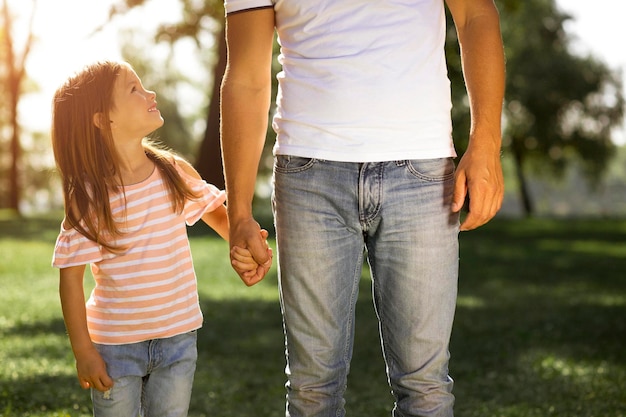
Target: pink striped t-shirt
x=149 y=291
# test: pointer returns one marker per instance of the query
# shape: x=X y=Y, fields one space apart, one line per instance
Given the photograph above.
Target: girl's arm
x=216 y=219
x=90 y=367
x=241 y=259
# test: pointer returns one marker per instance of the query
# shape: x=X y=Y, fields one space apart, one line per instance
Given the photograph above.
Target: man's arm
x=479 y=172
x=246 y=91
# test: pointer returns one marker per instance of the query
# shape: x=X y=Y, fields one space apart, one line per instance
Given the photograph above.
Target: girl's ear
x=99 y=120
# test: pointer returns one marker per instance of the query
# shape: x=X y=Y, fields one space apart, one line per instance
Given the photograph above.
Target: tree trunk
x=15 y=74
x=13 y=78
x=209 y=160
x=14 y=174
x=527 y=205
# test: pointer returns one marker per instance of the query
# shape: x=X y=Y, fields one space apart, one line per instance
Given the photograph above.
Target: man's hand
x=479 y=177
x=250 y=254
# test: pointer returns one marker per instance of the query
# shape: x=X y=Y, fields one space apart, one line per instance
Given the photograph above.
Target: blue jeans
x=152 y=378
x=327 y=215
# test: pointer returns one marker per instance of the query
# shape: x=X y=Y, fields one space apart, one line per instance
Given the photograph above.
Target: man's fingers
x=250 y=254
x=482 y=208
x=460 y=192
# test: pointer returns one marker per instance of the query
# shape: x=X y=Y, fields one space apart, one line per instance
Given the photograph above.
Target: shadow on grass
x=240 y=360
x=539 y=331
x=31 y=392
x=37 y=328
x=559 y=358
x=540 y=323
x=30 y=228
x=57 y=395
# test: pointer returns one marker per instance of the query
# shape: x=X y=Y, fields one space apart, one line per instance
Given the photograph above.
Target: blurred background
x=564 y=133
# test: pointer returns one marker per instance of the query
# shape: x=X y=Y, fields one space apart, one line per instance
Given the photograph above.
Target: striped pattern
x=150 y=290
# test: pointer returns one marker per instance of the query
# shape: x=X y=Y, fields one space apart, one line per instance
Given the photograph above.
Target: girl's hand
x=92 y=372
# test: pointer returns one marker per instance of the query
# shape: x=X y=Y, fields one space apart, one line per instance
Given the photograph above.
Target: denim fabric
x=152 y=378
x=328 y=215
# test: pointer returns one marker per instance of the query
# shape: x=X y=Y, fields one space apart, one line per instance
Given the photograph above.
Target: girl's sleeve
x=210 y=198
x=72 y=249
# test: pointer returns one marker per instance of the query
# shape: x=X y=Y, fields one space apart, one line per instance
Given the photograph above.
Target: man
x=363 y=163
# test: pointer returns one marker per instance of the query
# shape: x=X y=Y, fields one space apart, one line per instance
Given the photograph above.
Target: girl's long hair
x=86 y=157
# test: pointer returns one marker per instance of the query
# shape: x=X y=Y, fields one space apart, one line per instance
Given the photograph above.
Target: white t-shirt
x=361 y=81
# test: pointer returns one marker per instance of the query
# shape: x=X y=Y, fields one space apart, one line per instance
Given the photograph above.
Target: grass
x=540 y=328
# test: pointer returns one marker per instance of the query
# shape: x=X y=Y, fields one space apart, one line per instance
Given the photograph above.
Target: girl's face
x=134 y=113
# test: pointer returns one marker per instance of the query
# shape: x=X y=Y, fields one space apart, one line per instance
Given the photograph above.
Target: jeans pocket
x=433 y=170
x=286 y=164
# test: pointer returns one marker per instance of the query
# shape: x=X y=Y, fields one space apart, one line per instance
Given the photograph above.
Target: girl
x=127 y=204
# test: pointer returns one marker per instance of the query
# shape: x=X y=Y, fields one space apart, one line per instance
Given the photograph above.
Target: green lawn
x=540 y=328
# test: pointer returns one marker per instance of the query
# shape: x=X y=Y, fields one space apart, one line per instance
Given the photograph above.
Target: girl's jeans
x=152 y=378
x=327 y=215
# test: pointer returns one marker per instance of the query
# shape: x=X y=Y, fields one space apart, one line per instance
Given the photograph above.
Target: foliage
x=198 y=16
x=539 y=327
x=558 y=103
x=559 y=107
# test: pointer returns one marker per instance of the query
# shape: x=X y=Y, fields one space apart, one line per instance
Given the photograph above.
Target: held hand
x=246 y=267
x=250 y=254
x=479 y=177
x=92 y=372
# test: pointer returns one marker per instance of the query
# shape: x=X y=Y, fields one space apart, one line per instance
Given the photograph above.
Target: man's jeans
x=327 y=215
x=153 y=378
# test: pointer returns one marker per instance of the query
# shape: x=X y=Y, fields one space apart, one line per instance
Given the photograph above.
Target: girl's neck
x=135 y=167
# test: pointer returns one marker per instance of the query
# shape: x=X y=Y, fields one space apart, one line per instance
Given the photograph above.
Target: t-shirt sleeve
x=210 y=198
x=232 y=6
x=73 y=249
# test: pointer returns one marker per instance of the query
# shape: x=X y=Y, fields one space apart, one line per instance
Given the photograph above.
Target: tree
x=209 y=160
x=13 y=75
x=559 y=107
